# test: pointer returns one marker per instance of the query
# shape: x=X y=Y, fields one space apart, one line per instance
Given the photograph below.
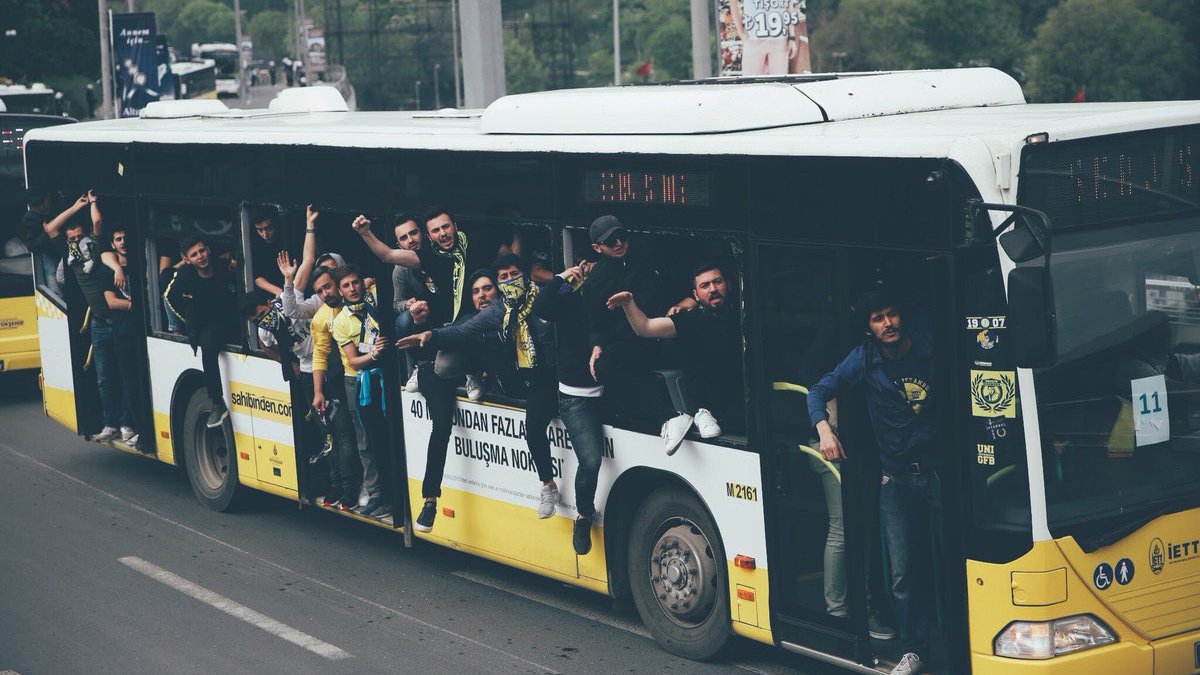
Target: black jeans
x=540 y=387
x=439 y=398
x=908 y=502
x=345 y=470
x=211 y=338
x=583 y=416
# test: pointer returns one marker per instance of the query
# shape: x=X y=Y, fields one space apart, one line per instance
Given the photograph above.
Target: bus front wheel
x=210 y=455
x=677 y=575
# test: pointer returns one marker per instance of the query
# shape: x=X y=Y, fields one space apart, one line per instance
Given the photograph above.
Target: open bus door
x=830 y=559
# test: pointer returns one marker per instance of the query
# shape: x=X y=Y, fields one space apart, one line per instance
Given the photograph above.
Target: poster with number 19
x=1151 y=423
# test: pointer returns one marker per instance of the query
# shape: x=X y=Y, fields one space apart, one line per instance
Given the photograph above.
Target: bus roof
x=882 y=115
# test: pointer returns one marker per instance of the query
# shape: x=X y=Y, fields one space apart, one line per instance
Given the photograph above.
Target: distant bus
x=35 y=99
x=197 y=79
x=18 y=316
x=225 y=55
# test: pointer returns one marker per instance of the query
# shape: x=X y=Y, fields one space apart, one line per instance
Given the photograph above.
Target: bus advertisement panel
x=136 y=56
x=763 y=37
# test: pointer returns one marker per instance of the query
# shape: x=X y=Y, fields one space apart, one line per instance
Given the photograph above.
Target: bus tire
x=210 y=456
x=677 y=574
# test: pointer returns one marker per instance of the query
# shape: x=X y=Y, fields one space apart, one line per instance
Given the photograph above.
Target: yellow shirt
x=323 y=342
x=348 y=328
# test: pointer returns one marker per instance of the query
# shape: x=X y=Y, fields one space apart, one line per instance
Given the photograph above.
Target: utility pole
x=417 y=93
x=702 y=57
x=617 y=42
x=437 y=95
x=458 y=102
x=483 y=52
x=237 y=43
x=106 y=65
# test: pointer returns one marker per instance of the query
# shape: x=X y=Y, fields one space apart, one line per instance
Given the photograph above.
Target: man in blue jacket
x=894 y=369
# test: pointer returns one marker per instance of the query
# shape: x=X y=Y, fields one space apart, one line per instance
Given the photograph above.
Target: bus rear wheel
x=677 y=575
x=210 y=455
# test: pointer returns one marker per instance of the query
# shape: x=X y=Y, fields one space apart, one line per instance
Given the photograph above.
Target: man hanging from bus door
x=580 y=398
x=39 y=232
x=528 y=344
x=200 y=296
x=360 y=337
x=894 y=365
x=621 y=360
x=710 y=337
x=124 y=328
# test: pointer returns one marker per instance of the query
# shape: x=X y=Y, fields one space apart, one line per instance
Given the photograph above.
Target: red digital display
x=664 y=188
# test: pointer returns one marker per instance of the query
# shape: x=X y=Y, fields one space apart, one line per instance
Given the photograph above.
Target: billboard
x=316 y=49
x=763 y=37
x=135 y=57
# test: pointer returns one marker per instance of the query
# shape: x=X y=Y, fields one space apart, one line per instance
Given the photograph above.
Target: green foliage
x=870 y=35
x=202 y=21
x=166 y=12
x=269 y=29
x=523 y=72
x=53 y=39
x=1115 y=48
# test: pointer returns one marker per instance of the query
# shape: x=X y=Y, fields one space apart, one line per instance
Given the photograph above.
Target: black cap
x=604 y=226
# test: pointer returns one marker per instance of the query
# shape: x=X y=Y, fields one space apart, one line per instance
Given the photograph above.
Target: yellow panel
x=21 y=360
x=261 y=403
x=506 y=532
x=1177 y=655
x=47 y=308
x=757 y=580
x=60 y=406
x=164 y=446
x=247 y=466
x=746 y=610
x=276 y=464
x=1038 y=589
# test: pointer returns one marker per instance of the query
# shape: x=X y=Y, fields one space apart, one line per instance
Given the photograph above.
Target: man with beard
x=711 y=341
x=894 y=367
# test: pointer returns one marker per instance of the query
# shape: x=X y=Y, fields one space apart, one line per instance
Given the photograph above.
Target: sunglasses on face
x=616 y=237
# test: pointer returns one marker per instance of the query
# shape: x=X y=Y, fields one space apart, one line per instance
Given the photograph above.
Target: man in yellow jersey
x=359 y=335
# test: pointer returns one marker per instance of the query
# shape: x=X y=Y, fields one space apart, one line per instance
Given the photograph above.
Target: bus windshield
x=1120 y=408
x=226 y=60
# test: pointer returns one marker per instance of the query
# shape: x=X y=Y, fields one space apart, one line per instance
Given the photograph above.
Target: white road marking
x=236 y=610
x=582 y=610
x=281 y=568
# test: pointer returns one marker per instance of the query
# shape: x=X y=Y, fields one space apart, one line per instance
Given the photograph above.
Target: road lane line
x=236 y=610
x=581 y=610
x=281 y=568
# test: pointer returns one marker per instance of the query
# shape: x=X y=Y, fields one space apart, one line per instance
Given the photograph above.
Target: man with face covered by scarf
x=527 y=344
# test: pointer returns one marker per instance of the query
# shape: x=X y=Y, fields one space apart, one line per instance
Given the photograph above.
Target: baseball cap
x=604 y=226
x=337 y=259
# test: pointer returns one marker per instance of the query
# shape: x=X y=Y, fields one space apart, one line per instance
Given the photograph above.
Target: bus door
x=825 y=522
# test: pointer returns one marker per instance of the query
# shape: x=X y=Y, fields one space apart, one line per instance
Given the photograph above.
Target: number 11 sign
x=1151 y=423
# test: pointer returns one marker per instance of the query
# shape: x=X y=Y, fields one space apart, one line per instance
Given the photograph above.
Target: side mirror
x=1020 y=243
x=1031 y=328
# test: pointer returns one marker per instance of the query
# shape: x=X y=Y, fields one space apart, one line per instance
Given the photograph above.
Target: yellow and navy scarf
x=459 y=254
x=518 y=305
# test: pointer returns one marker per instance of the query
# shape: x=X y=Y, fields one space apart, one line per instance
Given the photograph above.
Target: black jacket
x=200 y=302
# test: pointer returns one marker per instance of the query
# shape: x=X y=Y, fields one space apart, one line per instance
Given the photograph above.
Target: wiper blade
x=1101 y=539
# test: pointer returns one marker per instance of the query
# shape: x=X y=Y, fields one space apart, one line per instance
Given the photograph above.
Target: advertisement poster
x=763 y=37
x=316 y=49
x=135 y=56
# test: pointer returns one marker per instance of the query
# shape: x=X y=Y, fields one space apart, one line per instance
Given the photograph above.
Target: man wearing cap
x=894 y=369
x=620 y=359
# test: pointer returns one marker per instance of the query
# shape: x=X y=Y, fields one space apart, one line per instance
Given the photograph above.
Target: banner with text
x=135 y=57
x=763 y=37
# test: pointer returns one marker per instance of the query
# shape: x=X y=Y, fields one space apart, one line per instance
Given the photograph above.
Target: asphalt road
x=109 y=565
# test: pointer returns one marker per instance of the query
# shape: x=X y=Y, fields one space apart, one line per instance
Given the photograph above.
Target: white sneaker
x=412 y=386
x=474 y=388
x=910 y=664
x=707 y=424
x=547 y=500
x=674 y=430
x=128 y=434
x=106 y=434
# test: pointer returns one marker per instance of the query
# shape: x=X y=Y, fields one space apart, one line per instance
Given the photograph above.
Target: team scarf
x=458 y=253
x=275 y=323
x=81 y=253
x=519 y=296
x=365 y=312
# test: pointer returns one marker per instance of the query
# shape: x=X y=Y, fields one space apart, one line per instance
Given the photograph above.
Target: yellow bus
x=1049 y=253
x=18 y=319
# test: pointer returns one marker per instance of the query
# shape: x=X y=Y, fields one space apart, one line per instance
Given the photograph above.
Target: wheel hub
x=681 y=574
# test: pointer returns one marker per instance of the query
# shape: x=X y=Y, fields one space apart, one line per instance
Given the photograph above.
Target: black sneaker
x=878 y=629
x=425 y=520
x=581 y=538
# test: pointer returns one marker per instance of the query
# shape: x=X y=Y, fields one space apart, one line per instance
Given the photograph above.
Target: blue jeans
x=112 y=354
x=907 y=501
x=583 y=418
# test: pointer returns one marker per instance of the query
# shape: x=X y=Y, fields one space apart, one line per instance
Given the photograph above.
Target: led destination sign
x=664 y=188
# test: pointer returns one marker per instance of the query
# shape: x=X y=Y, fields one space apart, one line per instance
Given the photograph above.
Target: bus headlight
x=1047 y=639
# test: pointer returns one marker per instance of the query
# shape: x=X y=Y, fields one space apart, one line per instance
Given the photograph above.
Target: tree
x=203 y=21
x=270 y=30
x=522 y=70
x=166 y=13
x=1116 y=49
x=871 y=35
x=958 y=33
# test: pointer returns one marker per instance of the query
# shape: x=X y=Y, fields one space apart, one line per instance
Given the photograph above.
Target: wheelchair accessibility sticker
x=1103 y=576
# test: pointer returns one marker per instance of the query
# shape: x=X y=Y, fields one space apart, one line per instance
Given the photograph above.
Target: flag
x=647 y=68
x=1080 y=96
